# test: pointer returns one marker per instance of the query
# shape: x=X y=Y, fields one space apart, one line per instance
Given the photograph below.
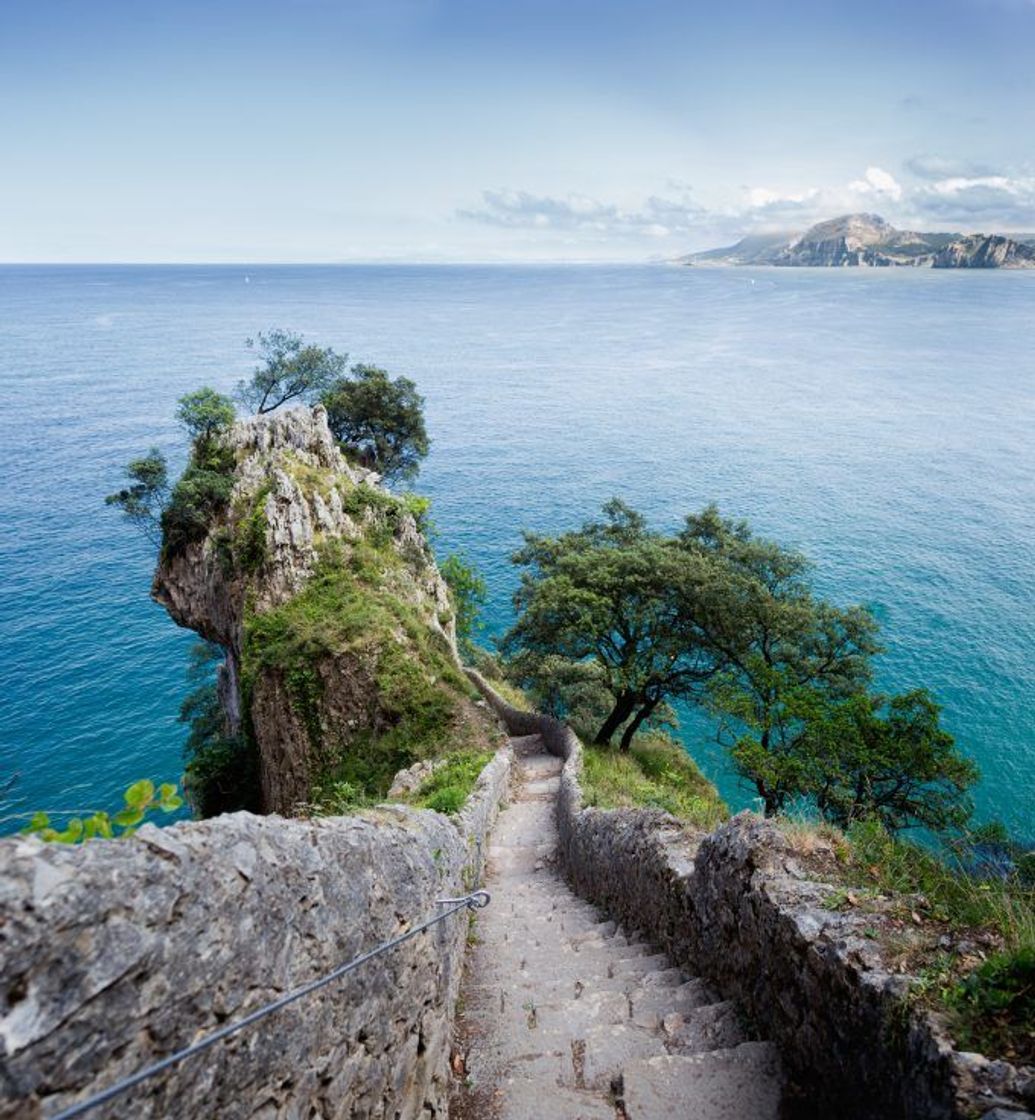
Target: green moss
x=348 y=609
x=655 y=774
x=453 y=781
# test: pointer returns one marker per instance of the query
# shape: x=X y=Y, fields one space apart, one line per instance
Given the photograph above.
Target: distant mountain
x=867 y=240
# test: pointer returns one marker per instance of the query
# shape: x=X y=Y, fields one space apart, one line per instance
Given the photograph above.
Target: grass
x=967 y=940
x=453 y=781
x=656 y=774
x=350 y=616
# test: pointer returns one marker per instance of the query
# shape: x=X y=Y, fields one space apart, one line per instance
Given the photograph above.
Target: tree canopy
x=204 y=412
x=290 y=370
x=626 y=601
x=378 y=420
x=619 y=620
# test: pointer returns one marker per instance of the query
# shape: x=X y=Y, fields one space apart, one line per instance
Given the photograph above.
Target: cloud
x=945 y=196
x=991 y=200
x=938 y=167
x=877 y=182
x=656 y=217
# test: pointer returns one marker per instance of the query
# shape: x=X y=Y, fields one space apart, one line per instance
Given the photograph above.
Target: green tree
x=887 y=758
x=468 y=592
x=290 y=370
x=204 y=413
x=633 y=604
x=787 y=654
x=378 y=420
x=144 y=499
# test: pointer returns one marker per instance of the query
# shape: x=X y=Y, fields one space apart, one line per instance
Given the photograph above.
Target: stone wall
x=737 y=907
x=116 y=953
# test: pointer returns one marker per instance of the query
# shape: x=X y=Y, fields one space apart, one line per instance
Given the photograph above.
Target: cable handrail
x=476 y=900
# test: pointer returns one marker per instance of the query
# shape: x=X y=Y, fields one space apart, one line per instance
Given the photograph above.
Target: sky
x=501 y=130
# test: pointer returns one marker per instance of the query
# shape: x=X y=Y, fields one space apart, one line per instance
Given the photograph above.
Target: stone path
x=564 y=1017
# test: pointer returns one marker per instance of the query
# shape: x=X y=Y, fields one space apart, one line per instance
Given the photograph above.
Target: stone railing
x=118 y=953
x=736 y=907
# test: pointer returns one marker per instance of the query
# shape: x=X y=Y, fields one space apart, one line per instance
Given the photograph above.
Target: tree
x=378 y=420
x=467 y=590
x=204 y=413
x=290 y=370
x=143 y=501
x=629 y=602
x=787 y=654
x=887 y=758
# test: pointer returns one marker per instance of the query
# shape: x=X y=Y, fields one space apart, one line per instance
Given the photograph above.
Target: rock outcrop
x=319 y=586
x=868 y=241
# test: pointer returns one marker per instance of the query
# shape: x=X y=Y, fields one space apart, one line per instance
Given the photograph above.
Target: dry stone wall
x=736 y=908
x=117 y=953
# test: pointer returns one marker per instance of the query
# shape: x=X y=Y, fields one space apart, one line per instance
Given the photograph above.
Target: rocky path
x=564 y=1017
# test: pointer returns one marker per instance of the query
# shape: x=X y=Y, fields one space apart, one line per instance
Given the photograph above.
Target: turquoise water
x=882 y=421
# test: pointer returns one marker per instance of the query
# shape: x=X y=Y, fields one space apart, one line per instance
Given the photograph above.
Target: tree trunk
x=634 y=724
x=622 y=710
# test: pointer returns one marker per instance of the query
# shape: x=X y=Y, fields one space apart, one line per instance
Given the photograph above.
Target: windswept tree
x=173 y=516
x=378 y=420
x=290 y=370
x=620 y=603
x=144 y=499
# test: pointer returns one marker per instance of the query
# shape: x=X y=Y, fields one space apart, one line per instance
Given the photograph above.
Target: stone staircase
x=565 y=1017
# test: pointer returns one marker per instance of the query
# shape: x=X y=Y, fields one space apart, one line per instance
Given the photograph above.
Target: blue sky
x=326 y=130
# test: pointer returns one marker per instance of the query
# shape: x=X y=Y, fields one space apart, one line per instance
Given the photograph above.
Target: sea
x=882 y=421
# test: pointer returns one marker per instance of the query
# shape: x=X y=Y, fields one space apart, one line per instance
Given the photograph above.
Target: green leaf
x=128 y=818
x=140 y=794
x=38 y=822
x=171 y=803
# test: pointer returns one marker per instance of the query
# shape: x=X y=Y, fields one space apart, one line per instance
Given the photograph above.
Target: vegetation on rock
x=290 y=370
x=655 y=773
x=378 y=420
x=453 y=781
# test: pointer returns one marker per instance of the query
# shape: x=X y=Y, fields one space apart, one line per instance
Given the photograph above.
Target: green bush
x=995 y=1007
x=203 y=492
x=449 y=787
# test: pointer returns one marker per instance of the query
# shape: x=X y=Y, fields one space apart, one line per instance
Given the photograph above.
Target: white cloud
x=952 y=201
x=655 y=217
x=877 y=182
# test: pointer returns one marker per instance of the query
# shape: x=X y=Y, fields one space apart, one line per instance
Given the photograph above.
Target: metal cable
x=474 y=901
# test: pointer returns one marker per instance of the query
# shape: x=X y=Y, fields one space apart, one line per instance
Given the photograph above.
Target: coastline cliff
x=337 y=629
x=868 y=241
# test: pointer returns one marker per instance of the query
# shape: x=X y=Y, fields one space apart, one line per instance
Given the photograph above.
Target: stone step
x=607 y=1049
x=743 y=1083
x=716 y=1026
x=524 y=1100
x=651 y=1005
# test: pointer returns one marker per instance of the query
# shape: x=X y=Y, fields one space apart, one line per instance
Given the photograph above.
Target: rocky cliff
x=336 y=625
x=867 y=240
